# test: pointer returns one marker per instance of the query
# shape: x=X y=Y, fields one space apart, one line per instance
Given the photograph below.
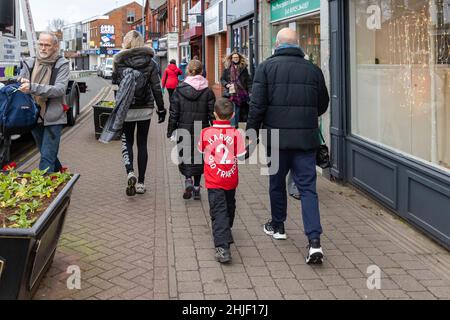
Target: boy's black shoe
x=223 y=255
x=277 y=232
x=197 y=194
x=315 y=254
x=189 y=189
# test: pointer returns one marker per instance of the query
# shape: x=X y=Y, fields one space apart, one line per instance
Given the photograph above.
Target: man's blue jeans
x=48 y=139
x=303 y=168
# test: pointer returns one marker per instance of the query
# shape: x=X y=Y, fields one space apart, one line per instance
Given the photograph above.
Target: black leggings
x=143 y=128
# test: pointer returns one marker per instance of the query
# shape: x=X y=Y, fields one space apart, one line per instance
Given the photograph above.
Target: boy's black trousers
x=222 y=205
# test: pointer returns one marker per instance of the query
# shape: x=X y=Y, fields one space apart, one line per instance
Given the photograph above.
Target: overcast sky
x=44 y=11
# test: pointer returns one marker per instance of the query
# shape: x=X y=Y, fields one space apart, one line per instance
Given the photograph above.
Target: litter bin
x=102 y=111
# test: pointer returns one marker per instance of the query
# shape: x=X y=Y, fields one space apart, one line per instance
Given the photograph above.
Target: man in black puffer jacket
x=289 y=95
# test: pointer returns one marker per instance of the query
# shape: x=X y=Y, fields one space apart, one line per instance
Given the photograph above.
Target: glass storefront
x=308 y=29
x=400 y=76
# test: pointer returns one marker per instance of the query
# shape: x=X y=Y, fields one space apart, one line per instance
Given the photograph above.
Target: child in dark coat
x=192 y=102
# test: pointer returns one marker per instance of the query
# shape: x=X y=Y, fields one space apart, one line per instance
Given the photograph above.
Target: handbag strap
x=322 y=140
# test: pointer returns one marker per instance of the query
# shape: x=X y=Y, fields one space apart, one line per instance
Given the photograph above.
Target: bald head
x=287 y=36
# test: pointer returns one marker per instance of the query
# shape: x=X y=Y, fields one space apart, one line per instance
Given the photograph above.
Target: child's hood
x=193 y=88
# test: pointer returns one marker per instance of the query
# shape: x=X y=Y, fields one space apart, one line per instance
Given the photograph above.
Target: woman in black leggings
x=139 y=116
x=143 y=128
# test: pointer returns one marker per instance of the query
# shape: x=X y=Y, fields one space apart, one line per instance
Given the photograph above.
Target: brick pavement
x=159 y=246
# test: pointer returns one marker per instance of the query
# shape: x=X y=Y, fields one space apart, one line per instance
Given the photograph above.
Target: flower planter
x=27 y=254
x=102 y=111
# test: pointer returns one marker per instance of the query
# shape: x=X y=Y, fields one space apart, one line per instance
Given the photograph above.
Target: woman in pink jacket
x=170 y=77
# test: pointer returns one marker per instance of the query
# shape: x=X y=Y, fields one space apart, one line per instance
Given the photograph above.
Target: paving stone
x=344 y=293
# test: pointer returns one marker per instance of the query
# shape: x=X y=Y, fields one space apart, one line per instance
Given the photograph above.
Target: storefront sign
x=172 y=39
x=215 y=20
x=107 y=41
x=194 y=12
x=238 y=9
x=107 y=36
x=285 y=9
x=107 y=29
x=163 y=44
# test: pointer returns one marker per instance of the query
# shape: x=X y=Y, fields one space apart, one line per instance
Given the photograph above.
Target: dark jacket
x=188 y=106
x=289 y=94
x=140 y=59
x=244 y=77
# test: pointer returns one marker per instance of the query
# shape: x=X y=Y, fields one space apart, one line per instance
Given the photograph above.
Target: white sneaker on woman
x=140 y=188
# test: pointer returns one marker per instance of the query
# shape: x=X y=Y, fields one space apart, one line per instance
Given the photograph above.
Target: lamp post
x=144 y=2
x=203 y=35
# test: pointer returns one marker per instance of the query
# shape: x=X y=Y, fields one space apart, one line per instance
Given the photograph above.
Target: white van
x=108 y=69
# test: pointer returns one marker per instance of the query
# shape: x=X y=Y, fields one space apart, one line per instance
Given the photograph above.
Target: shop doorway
x=243 y=41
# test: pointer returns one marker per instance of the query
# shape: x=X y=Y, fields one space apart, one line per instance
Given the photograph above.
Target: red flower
x=66 y=107
x=10 y=167
x=64 y=170
x=54 y=178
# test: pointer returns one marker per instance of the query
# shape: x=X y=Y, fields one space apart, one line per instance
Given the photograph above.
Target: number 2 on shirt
x=225 y=155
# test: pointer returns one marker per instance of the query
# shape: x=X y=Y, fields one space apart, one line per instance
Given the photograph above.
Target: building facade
x=106 y=32
x=390 y=123
x=216 y=43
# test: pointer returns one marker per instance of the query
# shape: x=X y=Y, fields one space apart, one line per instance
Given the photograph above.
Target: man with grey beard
x=46 y=77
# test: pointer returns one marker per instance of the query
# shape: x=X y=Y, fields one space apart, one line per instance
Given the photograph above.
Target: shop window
x=400 y=74
x=308 y=30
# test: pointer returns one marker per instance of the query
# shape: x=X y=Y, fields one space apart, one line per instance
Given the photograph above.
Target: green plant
x=109 y=104
x=22 y=195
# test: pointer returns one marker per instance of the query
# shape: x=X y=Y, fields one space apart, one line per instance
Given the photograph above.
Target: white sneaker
x=131 y=187
x=315 y=252
x=140 y=188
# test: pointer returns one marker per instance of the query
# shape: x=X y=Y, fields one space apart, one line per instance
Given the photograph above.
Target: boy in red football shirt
x=221 y=146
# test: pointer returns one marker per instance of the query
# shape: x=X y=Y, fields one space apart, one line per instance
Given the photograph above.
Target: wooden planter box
x=27 y=254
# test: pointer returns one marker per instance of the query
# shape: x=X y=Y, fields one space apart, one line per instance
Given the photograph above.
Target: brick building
x=123 y=19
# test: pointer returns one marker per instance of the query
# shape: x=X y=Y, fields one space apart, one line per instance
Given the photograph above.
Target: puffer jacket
x=289 y=95
x=189 y=106
x=55 y=91
x=140 y=59
x=170 y=77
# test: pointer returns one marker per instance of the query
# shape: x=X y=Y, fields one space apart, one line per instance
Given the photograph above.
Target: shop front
x=241 y=21
x=302 y=16
x=390 y=123
x=216 y=43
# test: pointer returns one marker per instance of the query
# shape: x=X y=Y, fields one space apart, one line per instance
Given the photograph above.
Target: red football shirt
x=221 y=145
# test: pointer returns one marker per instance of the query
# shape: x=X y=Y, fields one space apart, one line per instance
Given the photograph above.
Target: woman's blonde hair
x=195 y=68
x=133 y=39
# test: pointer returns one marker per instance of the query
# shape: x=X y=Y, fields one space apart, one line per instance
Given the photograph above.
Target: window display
x=400 y=76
